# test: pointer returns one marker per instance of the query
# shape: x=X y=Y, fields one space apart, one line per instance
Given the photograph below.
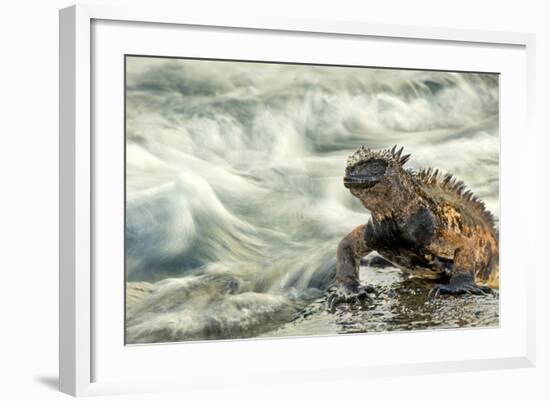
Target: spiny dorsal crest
x=363 y=154
x=453 y=185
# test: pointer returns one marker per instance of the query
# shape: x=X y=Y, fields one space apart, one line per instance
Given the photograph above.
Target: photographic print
x=268 y=199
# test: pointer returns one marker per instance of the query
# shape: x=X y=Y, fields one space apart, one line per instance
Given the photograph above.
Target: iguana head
x=377 y=178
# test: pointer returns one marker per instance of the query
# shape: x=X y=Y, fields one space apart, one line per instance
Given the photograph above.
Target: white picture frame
x=82 y=344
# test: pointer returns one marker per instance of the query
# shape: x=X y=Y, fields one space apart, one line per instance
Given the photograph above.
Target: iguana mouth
x=363 y=181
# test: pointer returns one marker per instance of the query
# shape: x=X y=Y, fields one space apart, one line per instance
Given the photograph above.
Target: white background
x=28 y=208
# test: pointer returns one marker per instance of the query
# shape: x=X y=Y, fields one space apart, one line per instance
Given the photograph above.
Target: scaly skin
x=424 y=222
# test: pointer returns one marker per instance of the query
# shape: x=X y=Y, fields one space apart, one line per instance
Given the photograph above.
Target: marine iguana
x=425 y=222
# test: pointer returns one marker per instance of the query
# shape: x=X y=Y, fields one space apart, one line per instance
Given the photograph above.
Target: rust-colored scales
x=425 y=222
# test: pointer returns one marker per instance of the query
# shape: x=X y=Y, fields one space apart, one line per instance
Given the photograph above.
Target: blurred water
x=235 y=202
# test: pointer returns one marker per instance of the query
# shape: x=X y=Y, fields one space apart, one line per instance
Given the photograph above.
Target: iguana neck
x=403 y=204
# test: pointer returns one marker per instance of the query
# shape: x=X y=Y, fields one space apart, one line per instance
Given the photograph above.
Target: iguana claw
x=343 y=294
x=466 y=288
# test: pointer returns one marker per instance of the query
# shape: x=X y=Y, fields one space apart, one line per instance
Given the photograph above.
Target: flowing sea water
x=235 y=201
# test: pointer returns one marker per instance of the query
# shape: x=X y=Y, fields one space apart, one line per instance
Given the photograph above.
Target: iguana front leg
x=350 y=251
x=462 y=279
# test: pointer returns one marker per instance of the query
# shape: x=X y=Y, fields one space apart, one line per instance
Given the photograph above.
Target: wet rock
x=375 y=260
x=400 y=304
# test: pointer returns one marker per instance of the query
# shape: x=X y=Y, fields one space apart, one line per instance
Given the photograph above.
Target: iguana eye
x=372 y=168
